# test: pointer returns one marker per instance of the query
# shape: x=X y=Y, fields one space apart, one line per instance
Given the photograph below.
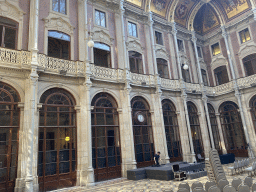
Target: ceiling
x=208 y=13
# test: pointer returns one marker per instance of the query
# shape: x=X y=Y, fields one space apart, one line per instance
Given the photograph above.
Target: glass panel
x=101 y=162
x=111 y=161
x=51 y=119
x=64 y=119
x=50 y=169
x=1 y=32
x=64 y=167
x=63 y=6
x=12 y=173
x=55 y=6
x=5 y=118
x=58 y=35
x=3 y=174
x=10 y=38
x=102 y=19
x=101 y=46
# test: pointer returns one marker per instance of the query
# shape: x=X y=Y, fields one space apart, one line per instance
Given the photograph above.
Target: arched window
x=214 y=126
x=57 y=140
x=8 y=33
x=102 y=56
x=204 y=77
x=106 y=147
x=135 y=60
x=142 y=131
x=253 y=110
x=172 y=131
x=162 y=67
x=58 y=45
x=9 y=131
x=195 y=129
x=250 y=64
x=185 y=74
x=221 y=75
x=233 y=129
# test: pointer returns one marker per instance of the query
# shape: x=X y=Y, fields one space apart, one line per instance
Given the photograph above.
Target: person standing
x=157 y=159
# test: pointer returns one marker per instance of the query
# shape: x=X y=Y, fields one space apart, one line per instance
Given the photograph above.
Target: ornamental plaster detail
x=162 y=53
x=183 y=58
x=247 y=49
x=102 y=36
x=218 y=61
x=134 y=45
x=58 y=23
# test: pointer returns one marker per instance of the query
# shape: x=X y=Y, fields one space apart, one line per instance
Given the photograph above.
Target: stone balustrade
x=14 y=58
x=56 y=65
x=22 y=59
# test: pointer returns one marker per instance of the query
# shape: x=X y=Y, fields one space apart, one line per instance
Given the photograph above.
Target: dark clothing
x=157 y=159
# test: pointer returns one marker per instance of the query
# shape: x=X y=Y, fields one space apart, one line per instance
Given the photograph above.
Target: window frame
x=212 y=49
x=215 y=76
x=58 y=13
x=183 y=45
x=59 y=7
x=110 y=55
x=105 y=14
x=134 y=23
x=161 y=34
x=200 y=50
x=16 y=28
x=136 y=66
x=69 y=51
x=243 y=30
x=186 y=71
x=163 y=66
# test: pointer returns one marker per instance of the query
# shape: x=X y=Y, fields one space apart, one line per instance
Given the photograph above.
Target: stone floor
x=146 y=185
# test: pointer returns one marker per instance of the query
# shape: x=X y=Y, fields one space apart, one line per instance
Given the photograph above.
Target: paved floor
x=146 y=185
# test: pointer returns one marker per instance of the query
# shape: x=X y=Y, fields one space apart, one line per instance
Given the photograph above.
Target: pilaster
x=222 y=141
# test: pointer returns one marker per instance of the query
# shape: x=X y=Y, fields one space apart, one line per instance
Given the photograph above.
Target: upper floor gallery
x=170 y=38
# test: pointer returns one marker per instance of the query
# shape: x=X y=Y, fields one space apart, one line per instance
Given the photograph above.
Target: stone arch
x=111 y=93
x=60 y=86
x=144 y=96
x=16 y=87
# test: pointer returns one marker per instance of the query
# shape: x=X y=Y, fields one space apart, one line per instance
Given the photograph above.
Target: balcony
x=22 y=60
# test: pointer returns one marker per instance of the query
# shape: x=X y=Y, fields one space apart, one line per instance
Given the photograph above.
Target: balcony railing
x=57 y=65
x=22 y=59
x=14 y=58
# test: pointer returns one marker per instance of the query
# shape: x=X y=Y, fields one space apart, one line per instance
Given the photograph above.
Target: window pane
x=63 y=6
x=103 y=19
x=247 y=35
x=132 y=65
x=97 y=17
x=134 y=30
x=130 y=29
x=55 y=5
x=1 y=32
x=216 y=49
x=9 y=38
x=199 y=52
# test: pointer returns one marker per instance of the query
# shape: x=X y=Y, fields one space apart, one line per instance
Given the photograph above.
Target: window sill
x=59 y=14
x=132 y=37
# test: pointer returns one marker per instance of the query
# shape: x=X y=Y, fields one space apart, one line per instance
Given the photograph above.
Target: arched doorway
x=172 y=131
x=142 y=131
x=57 y=140
x=9 y=136
x=253 y=110
x=195 y=129
x=233 y=129
x=214 y=126
x=106 y=147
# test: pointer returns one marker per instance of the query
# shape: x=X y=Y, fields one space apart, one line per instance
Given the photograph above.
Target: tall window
x=195 y=128
x=57 y=140
x=214 y=126
x=132 y=28
x=253 y=111
x=172 y=131
x=142 y=131
x=59 y=6
x=215 y=49
x=135 y=60
x=233 y=129
x=58 y=45
x=100 y=18
x=106 y=145
x=159 y=38
x=221 y=75
x=162 y=68
x=204 y=76
x=199 y=52
x=102 y=56
x=9 y=136
x=185 y=74
x=180 y=45
x=250 y=64
x=244 y=35
x=8 y=33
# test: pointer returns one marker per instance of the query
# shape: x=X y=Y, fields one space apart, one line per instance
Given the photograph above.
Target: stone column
x=126 y=131
x=183 y=93
x=222 y=141
x=85 y=173
x=203 y=127
x=120 y=37
x=193 y=63
x=237 y=92
x=82 y=29
x=204 y=97
x=158 y=126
